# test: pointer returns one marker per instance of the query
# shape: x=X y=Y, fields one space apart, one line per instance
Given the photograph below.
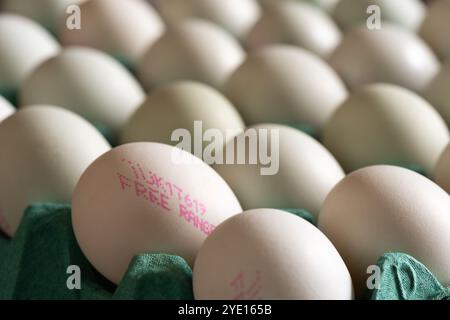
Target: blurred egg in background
x=6 y=109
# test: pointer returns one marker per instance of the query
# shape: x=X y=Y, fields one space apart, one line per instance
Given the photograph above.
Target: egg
x=182 y=105
x=191 y=50
x=442 y=172
x=124 y=29
x=386 y=124
x=48 y=13
x=326 y=5
x=87 y=82
x=383 y=209
x=297 y=173
x=285 y=84
x=267 y=254
x=390 y=54
x=435 y=26
x=137 y=198
x=405 y=13
x=23 y=46
x=296 y=23
x=6 y=109
x=438 y=93
x=45 y=149
x=235 y=16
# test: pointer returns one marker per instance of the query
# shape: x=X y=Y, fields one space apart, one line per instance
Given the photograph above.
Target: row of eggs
x=394 y=125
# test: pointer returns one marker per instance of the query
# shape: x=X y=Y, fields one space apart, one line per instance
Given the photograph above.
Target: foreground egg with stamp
x=284 y=168
x=390 y=54
x=44 y=151
x=6 y=109
x=296 y=23
x=23 y=46
x=191 y=50
x=382 y=209
x=442 y=172
x=386 y=124
x=143 y=198
x=267 y=254
x=285 y=84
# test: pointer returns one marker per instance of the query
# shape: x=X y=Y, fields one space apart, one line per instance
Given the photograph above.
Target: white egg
x=326 y=5
x=438 y=93
x=6 y=109
x=268 y=254
x=435 y=27
x=386 y=124
x=23 y=46
x=442 y=172
x=390 y=54
x=296 y=171
x=48 y=13
x=45 y=150
x=285 y=84
x=124 y=29
x=136 y=199
x=404 y=13
x=296 y=23
x=182 y=105
x=87 y=82
x=384 y=209
x=235 y=16
x=192 y=50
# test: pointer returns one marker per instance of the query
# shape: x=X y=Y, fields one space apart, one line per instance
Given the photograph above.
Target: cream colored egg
x=190 y=106
x=404 y=13
x=6 y=109
x=235 y=16
x=23 y=46
x=384 y=209
x=435 y=27
x=438 y=93
x=192 y=50
x=442 y=172
x=124 y=29
x=138 y=199
x=267 y=254
x=49 y=13
x=386 y=124
x=87 y=82
x=285 y=84
x=390 y=54
x=296 y=23
x=45 y=150
x=326 y=5
x=289 y=169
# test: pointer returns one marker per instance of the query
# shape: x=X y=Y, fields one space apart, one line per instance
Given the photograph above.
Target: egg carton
x=44 y=259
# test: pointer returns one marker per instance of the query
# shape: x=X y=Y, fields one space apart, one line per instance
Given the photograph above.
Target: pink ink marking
x=141 y=190
x=164 y=202
x=244 y=292
x=124 y=181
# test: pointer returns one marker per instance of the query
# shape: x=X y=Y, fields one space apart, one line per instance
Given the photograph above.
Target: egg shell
x=405 y=13
x=178 y=106
x=386 y=124
x=383 y=209
x=296 y=23
x=23 y=46
x=436 y=26
x=326 y=5
x=267 y=254
x=87 y=82
x=438 y=93
x=124 y=29
x=442 y=172
x=136 y=199
x=285 y=84
x=191 y=50
x=306 y=171
x=45 y=149
x=48 y=13
x=390 y=54
x=235 y=16
x=6 y=109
